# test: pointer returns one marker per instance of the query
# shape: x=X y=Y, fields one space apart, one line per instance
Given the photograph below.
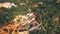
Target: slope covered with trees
x=48 y=12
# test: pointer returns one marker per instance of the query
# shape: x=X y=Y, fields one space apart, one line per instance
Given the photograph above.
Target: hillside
x=47 y=12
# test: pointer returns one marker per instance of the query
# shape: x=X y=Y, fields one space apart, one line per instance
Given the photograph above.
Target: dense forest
x=48 y=13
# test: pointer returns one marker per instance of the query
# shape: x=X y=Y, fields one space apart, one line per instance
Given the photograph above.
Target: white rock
x=22 y=3
x=7 y=5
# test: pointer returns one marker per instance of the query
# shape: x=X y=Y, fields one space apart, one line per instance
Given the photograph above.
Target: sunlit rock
x=7 y=5
x=41 y=3
x=22 y=22
x=56 y=19
x=27 y=1
x=58 y=1
x=59 y=26
x=25 y=32
x=22 y=3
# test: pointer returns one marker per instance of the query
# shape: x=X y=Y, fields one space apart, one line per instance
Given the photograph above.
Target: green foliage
x=47 y=13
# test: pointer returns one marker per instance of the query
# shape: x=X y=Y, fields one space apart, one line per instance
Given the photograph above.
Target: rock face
x=23 y=24
x=26 y=22
x=7 y=5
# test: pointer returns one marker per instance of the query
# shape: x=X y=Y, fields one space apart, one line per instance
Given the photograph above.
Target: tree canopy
x=48 y=13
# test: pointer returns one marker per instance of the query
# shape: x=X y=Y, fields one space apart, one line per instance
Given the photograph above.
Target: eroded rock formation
x=7 y=5
x=22 y=24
